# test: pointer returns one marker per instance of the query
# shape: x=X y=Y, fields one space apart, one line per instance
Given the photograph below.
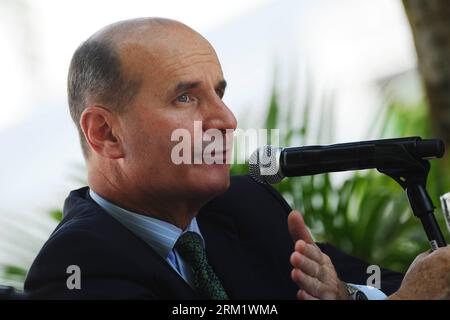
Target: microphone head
x=264 y=165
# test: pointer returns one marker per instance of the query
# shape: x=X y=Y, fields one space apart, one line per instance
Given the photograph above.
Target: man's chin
x=213 y=179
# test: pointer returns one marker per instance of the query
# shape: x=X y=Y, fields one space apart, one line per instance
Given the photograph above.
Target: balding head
x=105 y=69
x=133 y=87
x=139 y=30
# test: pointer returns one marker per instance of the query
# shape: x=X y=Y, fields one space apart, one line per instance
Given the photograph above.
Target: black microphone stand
x=411 y=174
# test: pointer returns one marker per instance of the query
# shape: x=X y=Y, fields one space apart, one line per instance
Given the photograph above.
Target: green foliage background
x=363 y=213
x=367 y=214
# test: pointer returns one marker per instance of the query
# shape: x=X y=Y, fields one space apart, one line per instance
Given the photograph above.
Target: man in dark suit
x=148 y=227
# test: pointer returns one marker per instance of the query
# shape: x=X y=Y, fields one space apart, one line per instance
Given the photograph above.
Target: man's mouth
x=215 y=156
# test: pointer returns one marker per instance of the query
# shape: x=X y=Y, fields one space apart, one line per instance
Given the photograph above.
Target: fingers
x=312 y=251
x=306 y=265
x=310 y=285
x=313 y=271
x=297 y=227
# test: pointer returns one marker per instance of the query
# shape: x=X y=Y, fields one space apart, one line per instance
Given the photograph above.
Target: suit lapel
x=226 y=256
x=170 y=281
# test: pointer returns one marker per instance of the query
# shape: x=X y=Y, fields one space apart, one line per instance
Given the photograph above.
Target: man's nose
x=219 y=116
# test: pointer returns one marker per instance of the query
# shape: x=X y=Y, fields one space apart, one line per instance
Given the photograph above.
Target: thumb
x=297 y=228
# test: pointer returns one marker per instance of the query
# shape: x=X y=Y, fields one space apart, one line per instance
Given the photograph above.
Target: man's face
x=182 y=82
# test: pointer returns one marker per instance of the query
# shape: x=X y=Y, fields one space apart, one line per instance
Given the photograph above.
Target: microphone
x=270 y=164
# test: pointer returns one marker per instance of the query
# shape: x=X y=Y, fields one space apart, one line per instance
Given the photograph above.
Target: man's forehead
x=167 y=47
x=166 y=52
x=181 y=62
x=172 y=64
x=150 y=39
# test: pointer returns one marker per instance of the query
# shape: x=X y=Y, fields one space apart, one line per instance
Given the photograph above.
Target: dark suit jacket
x=247 y=244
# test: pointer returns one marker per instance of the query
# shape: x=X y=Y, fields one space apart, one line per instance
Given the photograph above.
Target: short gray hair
x=96 y=74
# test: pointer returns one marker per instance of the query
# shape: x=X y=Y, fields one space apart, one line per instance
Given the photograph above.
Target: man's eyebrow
x=182 y=86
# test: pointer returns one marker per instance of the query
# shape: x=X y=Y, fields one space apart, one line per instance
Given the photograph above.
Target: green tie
x=206 y=282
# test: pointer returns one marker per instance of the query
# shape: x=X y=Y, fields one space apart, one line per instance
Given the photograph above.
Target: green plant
x=26 y=234
x=366 y=214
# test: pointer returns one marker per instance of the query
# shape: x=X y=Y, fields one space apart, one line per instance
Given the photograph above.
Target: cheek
x=150 y=136
x=153 y=143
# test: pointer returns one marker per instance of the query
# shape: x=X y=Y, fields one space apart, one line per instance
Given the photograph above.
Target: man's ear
x=100 y=129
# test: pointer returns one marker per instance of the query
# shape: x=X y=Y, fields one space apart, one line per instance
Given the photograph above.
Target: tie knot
x=190 y=246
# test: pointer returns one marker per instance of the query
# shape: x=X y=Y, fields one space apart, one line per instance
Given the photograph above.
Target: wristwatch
x=354 y=293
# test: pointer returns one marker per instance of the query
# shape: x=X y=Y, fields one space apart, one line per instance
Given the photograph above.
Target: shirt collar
x=159 y=234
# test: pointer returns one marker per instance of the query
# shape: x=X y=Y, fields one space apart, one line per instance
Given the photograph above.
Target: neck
x=174 y=209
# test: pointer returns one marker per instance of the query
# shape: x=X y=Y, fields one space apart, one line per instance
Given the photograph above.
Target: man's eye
x=184 y=98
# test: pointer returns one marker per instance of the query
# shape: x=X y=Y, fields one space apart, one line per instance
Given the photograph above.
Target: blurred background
x=322 y=71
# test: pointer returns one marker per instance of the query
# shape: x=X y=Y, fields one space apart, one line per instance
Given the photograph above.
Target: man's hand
x=428 y=277
x=313 y=270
